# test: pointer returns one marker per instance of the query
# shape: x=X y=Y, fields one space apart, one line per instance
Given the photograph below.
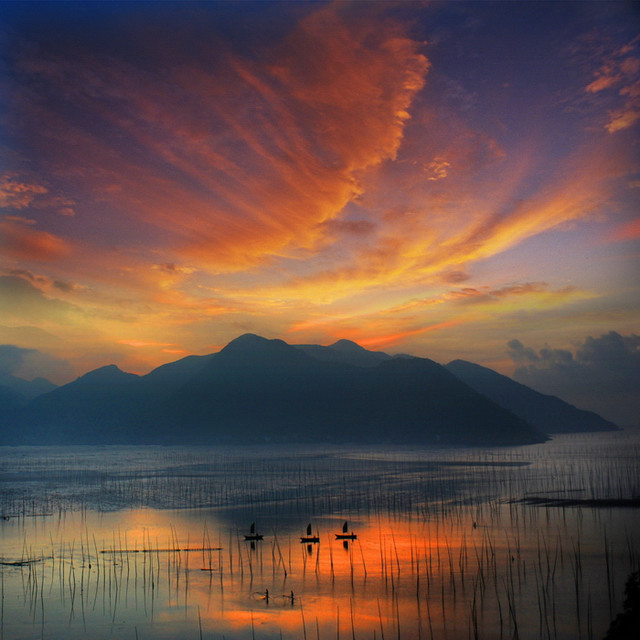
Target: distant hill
x=11 y=404
x=27 y=389
x=548 y=414
x=100 y=407
x=15 y=394
x=259 y=390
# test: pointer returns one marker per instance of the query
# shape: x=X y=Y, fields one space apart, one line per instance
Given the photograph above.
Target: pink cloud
x=623 y=118
x=26 y=243
x=236 y=159
x=628 y=231
x=620 y=69
x=18 y=195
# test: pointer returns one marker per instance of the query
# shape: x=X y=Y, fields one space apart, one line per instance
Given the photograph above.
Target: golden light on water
x=446 y=575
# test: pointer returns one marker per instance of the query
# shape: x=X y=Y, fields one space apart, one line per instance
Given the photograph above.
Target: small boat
x=309 y=538
x=345 y=535
x=252 y=533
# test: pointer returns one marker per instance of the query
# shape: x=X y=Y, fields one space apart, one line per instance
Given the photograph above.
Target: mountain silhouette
x=258 y=390
x=27 y=389
x=344 y=351
x=173 y=374
x=547 y=413
x=15 y=393
x=96 y=408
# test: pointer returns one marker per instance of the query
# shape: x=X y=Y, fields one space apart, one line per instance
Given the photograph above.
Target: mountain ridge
x=260 y=390
x=538 y=409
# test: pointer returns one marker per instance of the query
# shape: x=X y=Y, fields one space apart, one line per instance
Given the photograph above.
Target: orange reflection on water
x=388 y=580
x=170 y=573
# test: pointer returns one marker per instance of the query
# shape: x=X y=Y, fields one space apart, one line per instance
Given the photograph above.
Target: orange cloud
x=240 y=159
x=143 y=343
x=25 y=243
x=395 y=338
x=601 y=83
x=415 y=247
x=620 y=69
x=283 y=184
x=623 y=118
x=18 y=195
x=375 y=325
x=628 y=231
x=438 y=169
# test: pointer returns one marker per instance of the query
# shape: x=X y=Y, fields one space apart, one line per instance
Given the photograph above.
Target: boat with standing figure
x=309 y=538
x=346 y=534
x=253 y=536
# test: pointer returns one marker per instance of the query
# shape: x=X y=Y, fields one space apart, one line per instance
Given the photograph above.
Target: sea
x=134 y=542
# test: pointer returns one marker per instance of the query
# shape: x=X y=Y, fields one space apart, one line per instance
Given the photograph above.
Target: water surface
x=148 y=542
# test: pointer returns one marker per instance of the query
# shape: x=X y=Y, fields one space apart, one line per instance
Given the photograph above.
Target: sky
x=445 y=179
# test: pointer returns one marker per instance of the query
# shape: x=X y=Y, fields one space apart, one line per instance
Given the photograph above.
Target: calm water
x=148 y=542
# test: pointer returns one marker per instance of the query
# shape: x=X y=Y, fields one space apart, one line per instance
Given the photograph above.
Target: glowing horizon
x=434 y=179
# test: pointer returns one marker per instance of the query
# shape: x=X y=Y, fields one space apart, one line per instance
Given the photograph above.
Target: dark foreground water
x=149 y=542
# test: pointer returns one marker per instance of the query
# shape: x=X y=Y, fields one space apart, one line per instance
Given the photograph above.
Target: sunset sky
x=450 y=180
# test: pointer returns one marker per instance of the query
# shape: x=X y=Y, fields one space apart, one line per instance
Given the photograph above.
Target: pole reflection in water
x=165 y=574
x=533 y=542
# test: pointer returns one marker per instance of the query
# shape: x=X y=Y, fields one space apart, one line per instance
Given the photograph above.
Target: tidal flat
x=149 y=542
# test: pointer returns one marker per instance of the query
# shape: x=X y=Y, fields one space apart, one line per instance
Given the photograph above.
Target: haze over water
x=95 y=540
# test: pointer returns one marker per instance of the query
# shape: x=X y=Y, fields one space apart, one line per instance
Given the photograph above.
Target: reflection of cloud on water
x=414 y=564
